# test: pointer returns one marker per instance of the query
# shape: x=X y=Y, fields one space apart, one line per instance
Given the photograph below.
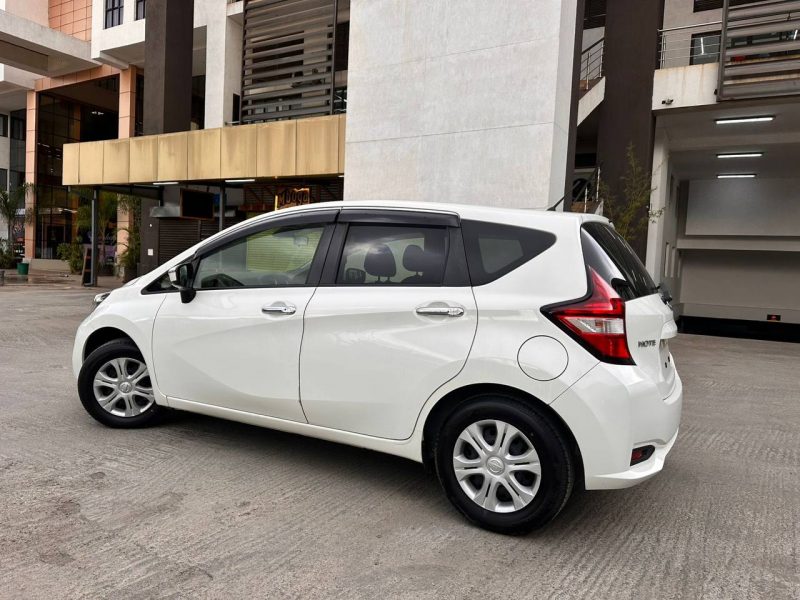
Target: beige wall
x=73 y=17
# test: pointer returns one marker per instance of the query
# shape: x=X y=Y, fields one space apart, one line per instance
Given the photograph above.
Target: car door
x=236 y=344
x=392 y=320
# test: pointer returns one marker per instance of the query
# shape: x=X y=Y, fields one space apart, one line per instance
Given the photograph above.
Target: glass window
x=113 y=13
x=494 y=249
x=272 y=258
x=607 y=252
x=3 y=179
x=140 y=9
x=393 y=255
x=705 y=48
x=4 y=125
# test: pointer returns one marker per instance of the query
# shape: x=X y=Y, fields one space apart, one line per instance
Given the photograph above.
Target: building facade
x=211 y=111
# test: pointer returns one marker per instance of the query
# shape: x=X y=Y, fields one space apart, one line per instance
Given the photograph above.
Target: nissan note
x=516 y=353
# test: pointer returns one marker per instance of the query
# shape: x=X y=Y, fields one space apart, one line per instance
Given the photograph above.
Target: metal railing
x=689 y=45
x=591 y=65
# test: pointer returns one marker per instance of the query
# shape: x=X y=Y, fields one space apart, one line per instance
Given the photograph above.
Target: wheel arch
x=102 y=336
x=452 y=399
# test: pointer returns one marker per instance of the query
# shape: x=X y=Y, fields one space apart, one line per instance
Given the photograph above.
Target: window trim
x=456 y=273
x=324 y=217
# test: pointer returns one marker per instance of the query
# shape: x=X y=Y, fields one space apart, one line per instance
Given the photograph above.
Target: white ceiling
x=695 y=140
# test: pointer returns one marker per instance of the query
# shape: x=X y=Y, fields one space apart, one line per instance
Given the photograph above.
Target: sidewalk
x=9 y=278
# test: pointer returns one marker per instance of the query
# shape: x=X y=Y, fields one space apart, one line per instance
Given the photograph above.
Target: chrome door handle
x=444 y=311
x=283 y=309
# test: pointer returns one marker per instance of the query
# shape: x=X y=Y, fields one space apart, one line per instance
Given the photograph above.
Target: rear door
x=649 y=321
x=392 y=320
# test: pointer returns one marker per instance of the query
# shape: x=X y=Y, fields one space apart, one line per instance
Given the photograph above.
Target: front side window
x=705 y=48
x=140 y=9
x=113 y=13
x=273 y=258
x=394 y=255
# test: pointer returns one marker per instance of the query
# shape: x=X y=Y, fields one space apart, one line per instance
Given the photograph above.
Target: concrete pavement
x=204 y=508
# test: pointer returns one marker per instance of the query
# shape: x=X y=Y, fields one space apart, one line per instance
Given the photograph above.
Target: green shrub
x=72 y=254
x=7 y=260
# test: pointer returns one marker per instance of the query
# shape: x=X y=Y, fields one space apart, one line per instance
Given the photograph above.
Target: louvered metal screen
x=288 y=59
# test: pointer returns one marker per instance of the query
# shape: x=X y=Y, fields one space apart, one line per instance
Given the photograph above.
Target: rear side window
x=607 y=252
x=494 y=250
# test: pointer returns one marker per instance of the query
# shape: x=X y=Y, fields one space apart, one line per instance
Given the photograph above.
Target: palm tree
x=10 y=203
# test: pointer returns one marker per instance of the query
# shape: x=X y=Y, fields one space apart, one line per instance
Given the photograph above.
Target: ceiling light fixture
x=734 y=120
x=740 y=155
x=165 y=183
x=736 y=175
x=239 y=180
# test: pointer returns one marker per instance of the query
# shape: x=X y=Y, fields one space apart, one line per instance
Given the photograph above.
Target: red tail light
x=597 y=323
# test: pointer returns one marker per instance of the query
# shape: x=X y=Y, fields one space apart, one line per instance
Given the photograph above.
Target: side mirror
x=181 y=279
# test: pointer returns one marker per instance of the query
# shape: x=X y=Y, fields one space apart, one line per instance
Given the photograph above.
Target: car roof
x=465 y=211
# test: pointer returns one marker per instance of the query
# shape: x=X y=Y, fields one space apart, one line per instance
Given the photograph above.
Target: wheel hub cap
x=122 y=387
x=497 y=466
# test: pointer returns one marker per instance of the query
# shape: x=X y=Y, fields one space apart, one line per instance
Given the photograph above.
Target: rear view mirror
x=180 y=277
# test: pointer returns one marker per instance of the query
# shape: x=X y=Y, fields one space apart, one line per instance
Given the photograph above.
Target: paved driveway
x=205 y=508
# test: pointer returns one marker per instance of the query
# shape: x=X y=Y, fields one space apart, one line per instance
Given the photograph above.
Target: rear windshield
x=607 y=252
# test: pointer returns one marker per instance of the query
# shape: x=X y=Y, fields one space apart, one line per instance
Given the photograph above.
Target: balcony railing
x=689 y=45
x=591 y=66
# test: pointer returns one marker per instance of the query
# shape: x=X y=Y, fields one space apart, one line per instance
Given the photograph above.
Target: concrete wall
x=459 y=101
x=33 y=10
x=744 y=207
x=683 y=87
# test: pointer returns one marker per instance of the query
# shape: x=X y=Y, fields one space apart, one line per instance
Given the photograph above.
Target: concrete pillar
x=630 y=53
x=127 y=102
x=659 y=198
x=30 y=173
x=223 y=65
x=459 y=101
x=168 y=56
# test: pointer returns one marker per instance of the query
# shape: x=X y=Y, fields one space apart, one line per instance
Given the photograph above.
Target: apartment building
x=212 y=111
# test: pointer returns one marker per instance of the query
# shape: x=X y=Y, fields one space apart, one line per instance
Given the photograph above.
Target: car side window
x=494 y=249
x=277 y=257
x=393 y=255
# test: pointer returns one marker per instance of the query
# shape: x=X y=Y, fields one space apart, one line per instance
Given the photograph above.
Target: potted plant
x=10 y=203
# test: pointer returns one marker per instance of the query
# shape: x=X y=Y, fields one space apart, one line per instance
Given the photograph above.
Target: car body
x=371 y=324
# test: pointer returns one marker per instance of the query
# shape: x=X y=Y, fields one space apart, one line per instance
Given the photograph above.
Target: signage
x=292 y=196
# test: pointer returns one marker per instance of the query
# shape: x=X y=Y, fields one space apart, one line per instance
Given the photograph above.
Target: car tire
x=504 y=464
x=115 y=388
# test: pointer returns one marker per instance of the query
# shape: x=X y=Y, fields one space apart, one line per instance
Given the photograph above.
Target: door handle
x=443 y=311
x=282 y=309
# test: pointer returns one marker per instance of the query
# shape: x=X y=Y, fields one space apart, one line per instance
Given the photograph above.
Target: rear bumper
x=612 y=410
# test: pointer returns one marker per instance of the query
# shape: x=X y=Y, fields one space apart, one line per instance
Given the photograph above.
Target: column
x=223 y=66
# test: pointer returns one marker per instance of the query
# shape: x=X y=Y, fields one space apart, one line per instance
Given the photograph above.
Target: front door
x=393 y=324
x=237 y=343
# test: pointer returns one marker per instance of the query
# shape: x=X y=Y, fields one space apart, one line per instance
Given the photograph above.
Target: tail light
x=596 y=322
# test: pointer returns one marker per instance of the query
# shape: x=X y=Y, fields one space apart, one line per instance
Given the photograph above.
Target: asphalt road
x=203 y=508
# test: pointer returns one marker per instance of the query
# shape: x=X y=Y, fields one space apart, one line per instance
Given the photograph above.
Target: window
x=494 y=250
x=4 y=125
x=705 y=48
x=701 y=5
x=113 y=13
x=18 y=125
x=4 y=179
x=607 y=252
x=277 y=257
x=140 y=9
x=394 y=255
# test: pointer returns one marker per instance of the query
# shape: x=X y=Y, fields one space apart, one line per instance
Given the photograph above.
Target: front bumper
x=612 y=410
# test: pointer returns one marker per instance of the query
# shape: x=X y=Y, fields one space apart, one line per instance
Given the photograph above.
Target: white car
x=517 y=353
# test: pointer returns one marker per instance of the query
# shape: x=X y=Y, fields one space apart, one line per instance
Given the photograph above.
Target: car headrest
x=416 y=260
x=380 y=262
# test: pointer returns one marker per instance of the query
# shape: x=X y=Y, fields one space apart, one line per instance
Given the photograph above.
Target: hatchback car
x=516 y=353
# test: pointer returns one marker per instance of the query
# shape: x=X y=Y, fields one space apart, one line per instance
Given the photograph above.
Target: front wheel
x=503 y=464
x=115 y=387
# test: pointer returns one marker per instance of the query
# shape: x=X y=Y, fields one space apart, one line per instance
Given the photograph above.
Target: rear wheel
x=503 y=464
x=115 y=387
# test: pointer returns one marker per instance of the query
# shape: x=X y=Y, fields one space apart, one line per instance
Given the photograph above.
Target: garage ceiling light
x=165 y=183
x=740 y=155
x=239 y=180
x=731 y=121
x=736 y=175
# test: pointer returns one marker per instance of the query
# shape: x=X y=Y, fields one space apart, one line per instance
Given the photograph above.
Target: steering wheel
x=219 y=280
